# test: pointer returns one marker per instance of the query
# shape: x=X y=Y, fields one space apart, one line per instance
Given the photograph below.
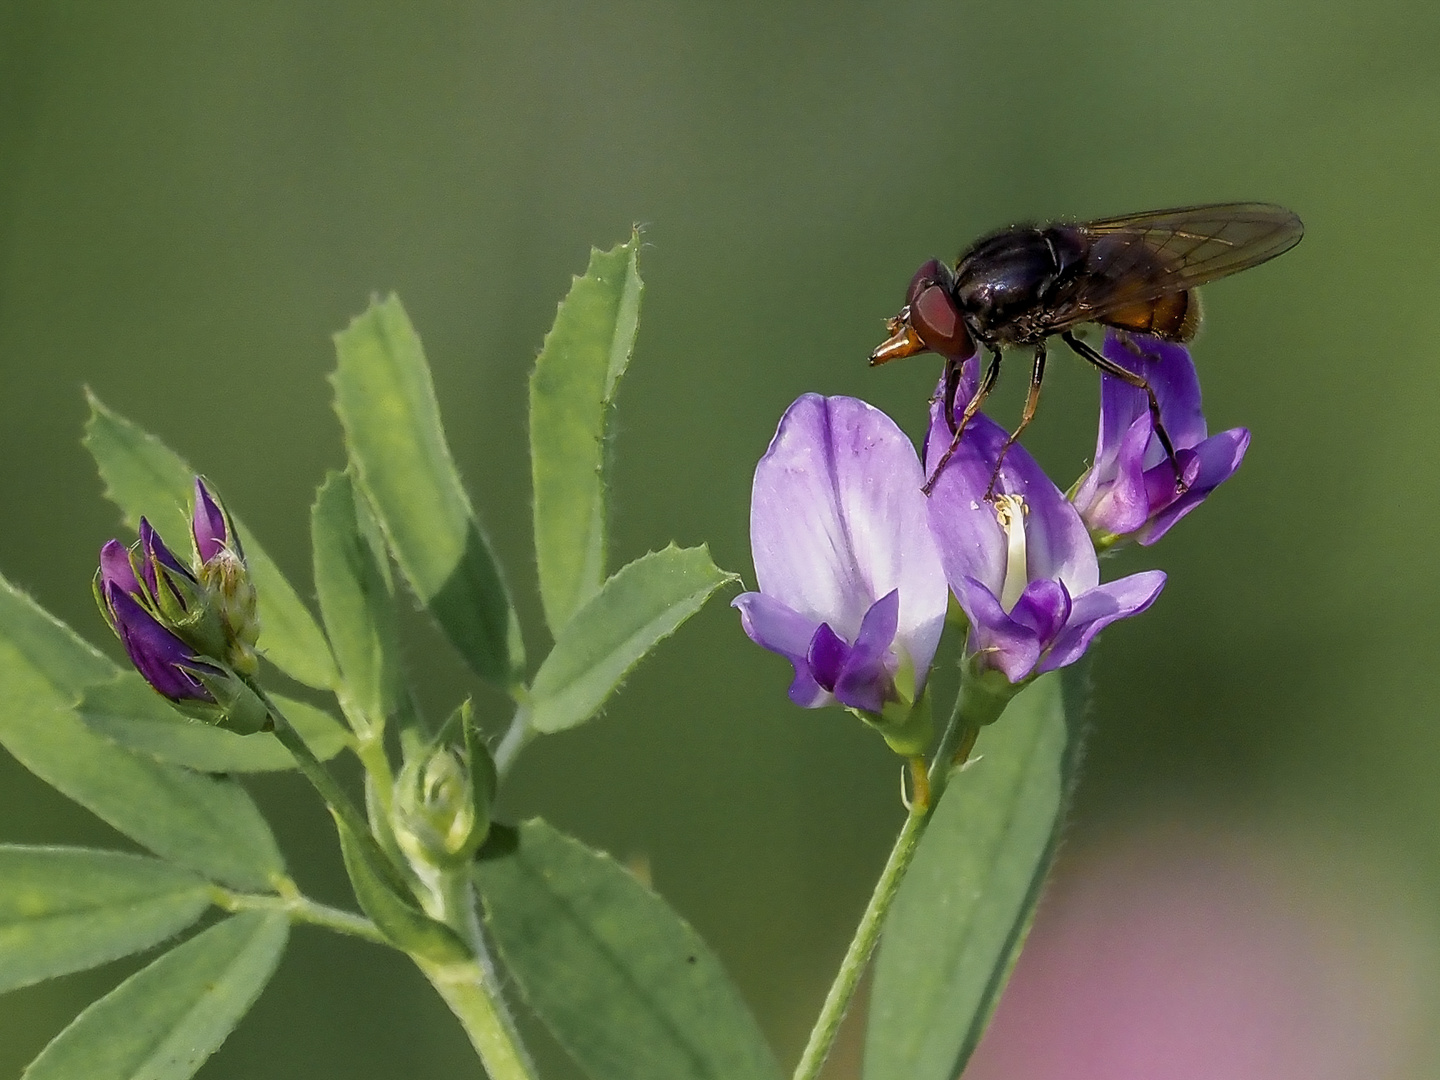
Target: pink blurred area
x=1184 y=955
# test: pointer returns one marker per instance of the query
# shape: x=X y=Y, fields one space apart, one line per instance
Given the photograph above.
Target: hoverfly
x=1021 y=285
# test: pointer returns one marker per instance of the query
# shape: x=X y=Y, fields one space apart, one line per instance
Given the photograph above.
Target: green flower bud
x=434 y=816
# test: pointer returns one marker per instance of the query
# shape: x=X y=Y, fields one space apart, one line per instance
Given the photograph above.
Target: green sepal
x=237 y=708
x=907 y=729
x=986 y=691
x=383 y=896
x=189 y=610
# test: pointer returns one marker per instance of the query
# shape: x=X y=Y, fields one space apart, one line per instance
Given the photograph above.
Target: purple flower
x=1130 y=491
x=851 y=588
x=1022 y=566
x=162 y=657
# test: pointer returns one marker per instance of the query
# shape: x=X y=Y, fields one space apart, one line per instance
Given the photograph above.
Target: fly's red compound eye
x=929 y=274
x=937 y=321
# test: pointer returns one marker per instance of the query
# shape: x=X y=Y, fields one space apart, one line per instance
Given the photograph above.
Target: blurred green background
x=194 y=196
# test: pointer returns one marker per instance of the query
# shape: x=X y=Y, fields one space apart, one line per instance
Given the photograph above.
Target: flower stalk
x=473 y=995
x=980 y=702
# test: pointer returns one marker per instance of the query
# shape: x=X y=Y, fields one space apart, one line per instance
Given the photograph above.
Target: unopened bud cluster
x=189 y=630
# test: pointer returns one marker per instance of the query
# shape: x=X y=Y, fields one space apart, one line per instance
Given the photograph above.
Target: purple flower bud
x=211 y=526
x=1022 y=564
x=851 y=588
x=161 y=657
x=1130 y=491
x=170 y=584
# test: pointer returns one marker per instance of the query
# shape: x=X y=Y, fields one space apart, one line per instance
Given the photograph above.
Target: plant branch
x=329 y=789
x=301 y=909
x=474 y=997
x=976 y=704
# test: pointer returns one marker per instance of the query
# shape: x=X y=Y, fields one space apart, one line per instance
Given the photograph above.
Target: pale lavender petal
x=1217 y=458
x=971 y=540
x=1096 y=610
x=772 y=625
x=867 y=680
x=1005 y=644
x=837 y=520
x=209 y=525
x=1113 y=497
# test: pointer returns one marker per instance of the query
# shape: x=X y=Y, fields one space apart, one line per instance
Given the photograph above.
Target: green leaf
x=965 y=907
x=624 y=984
x=644 y=603
x=396 y=444
x=356 y=595
x=68 y=909
x=206 y=824
x=144 y=477
x=571 y=393
x=165 y=1020
x=126 y=711
x=384 y=897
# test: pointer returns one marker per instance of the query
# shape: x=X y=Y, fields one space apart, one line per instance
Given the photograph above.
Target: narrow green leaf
x=356 y=596
x=965 y=907
x=625 y=984
x=386 y=403
x=206 y=824
x=126 y=711
x=144 y=477
x=644 y=603
x=68 y=909
x=571 y=393
x=164 y=1021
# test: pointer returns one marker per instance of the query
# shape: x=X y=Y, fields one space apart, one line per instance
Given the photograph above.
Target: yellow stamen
x=1010 y=511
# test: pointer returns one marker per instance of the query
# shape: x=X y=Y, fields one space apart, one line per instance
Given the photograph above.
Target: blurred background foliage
x=193 y=197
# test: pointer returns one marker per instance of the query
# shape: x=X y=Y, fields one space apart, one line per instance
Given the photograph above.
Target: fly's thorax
x=1003 y=281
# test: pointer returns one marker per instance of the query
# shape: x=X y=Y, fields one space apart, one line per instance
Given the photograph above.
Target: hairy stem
x=978 y=703
x=301 y=909
x=320 y=778
x=474 y=997
x=513 y=741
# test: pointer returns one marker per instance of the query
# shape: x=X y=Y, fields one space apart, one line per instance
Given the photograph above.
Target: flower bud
x=434 y=816
x=190 y=631
x=220 y=568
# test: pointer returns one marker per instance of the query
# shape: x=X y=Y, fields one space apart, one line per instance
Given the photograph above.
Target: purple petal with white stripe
x=839 y=539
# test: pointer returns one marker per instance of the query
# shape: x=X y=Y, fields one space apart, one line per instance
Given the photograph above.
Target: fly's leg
x=1138 y=381
x=1032 y=399
x=952 y=387
x=971 y=408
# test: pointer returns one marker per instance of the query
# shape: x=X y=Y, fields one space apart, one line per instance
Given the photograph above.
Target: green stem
x=319 y=777
x=514 y=740
x=301 y=909
x=474 y=997
x=979 y=702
